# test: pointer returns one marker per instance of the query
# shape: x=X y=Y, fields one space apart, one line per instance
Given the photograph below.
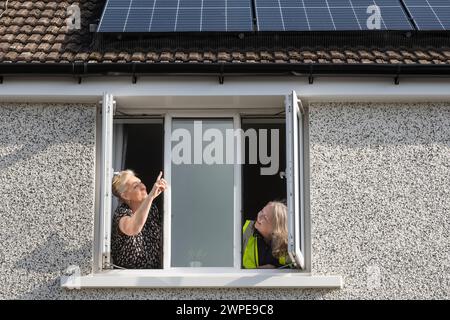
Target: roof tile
x=109 y=57
x=21 y=13
x=57 y=47
x=13 y=29
x=26 y=29
x=22 y=38
x=351 y=55
x=379 y=55
x=67 y=56
x=321 y=54
x=209 y=56
x=8 y=37
x=309 y=55
x=393 y=55
x=435 y=54
x=16 y=46
x=15 y=4
x=39 y=30
x=81 y=56
x=26 y=4
x=4 y=46
x=336 y=55
x=266 y=55
x=166 y=57
x=43 y=22
x=51 y=5
x=44 y=47
x=409 y=61
x=136 y=57
x=195 y=57
x=11 y=56
x=408 y=54
x=180 y=56
x=31 y=20
x=152 y=57
x=251 y=56
x=48 y=13
x=19 y=21
x=237 y=57
x=31 y=47
x=95 y=56
x=422 y=55
x=53 y=57
x=39 y=5
x=223 y=57
x=25 y=56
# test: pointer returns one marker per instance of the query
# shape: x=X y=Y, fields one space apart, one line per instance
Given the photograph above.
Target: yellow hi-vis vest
x=250 y=259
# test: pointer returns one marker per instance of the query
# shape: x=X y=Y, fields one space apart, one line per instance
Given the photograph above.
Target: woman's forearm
x=140 y=216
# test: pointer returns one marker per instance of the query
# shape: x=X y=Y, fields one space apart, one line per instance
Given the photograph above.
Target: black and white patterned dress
x=142 y=251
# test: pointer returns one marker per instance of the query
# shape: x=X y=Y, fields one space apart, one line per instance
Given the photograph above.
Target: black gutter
x=84 y=69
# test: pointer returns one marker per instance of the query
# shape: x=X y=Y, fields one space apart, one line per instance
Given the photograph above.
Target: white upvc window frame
x=295 y=176
x=172 y=277
x=108 y=106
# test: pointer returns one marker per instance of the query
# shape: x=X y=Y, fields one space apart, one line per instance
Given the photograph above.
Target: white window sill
x=200 y=279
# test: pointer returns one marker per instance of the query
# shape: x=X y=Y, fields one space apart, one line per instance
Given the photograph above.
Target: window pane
x=202 y=201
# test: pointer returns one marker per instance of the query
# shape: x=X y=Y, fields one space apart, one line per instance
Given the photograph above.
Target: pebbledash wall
x=380 y=202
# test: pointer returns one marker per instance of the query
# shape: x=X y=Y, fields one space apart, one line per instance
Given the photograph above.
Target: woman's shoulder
x=122 y=209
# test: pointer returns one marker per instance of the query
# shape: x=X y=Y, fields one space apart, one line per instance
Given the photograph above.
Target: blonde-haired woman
x=137 y=225
x=265 y=239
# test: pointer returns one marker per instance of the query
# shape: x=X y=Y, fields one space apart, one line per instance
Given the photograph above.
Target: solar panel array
x=430 y=14
x=317 y=15
x=273 y=15
x=176 y=16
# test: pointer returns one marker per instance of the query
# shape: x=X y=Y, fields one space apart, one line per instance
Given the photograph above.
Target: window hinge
x=105 y=263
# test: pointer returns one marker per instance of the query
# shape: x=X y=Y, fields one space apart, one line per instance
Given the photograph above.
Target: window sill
x=199 y=279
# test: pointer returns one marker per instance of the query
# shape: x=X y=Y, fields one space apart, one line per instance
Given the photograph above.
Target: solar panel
x=176 y=16
x=317 y=15
x=430 y=14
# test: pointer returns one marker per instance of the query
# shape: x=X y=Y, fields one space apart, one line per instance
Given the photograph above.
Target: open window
x=202 y=216
x=295 y=174
x=106 y=173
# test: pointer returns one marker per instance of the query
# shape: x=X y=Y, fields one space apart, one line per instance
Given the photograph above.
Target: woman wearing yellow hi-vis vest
x=265 y=239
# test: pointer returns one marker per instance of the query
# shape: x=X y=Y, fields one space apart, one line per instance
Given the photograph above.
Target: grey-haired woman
x=136 y=239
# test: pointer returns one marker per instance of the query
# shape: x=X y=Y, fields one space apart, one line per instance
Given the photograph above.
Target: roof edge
x=82 y=69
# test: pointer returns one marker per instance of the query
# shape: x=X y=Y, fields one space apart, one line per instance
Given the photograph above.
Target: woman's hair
x=118 y=182
x=280 y=229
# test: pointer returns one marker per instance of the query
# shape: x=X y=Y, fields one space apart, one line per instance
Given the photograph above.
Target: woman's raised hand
x=159 y=186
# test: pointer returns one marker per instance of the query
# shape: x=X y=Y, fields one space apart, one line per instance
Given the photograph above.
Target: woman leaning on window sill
x=137 y=226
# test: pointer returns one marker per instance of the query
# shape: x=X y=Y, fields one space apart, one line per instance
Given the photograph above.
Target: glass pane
x=202 y=195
